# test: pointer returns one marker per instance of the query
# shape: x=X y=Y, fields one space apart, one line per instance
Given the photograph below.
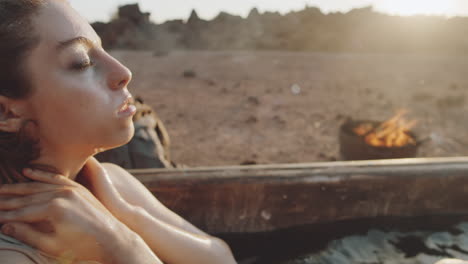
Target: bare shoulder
x=135 y=193
x=14 y=257
x=119 y=176
x=114 y=168
x=128 y=186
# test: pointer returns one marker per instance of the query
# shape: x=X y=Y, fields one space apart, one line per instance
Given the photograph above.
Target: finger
x=100 y=180
x=10 y=203
x=26 y=188
x=94 y=168
x=29 y=214
x=47 y=177
x=30 y=236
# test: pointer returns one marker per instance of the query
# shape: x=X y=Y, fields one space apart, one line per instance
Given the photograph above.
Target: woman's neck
x=66 y=165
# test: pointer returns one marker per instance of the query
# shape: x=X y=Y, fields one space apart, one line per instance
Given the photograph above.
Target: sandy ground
x=283 y=107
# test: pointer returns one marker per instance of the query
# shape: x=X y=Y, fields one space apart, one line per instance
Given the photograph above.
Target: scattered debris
x=296 y=89
x=253 y=100
x=454 y=86
x=210 y=82
x=279 y=120
x=189 y=74
x=451 y=101
x=266 y=215
x=160 y=53
x=251 y=120
x=248 y=162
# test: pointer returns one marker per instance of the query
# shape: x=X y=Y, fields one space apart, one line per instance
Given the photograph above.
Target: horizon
x=209 y=9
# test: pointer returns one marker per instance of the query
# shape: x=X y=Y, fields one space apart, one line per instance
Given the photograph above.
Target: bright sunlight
x=414 y=7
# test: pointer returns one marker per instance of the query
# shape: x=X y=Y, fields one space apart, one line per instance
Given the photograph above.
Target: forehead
x=57 y=22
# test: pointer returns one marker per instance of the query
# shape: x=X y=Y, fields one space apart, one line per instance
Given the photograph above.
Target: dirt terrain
x=284 y=107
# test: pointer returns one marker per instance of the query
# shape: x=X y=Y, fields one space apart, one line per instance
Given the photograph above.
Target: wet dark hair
x=17 y=40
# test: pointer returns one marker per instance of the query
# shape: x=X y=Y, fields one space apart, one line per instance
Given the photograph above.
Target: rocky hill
x=359 y=30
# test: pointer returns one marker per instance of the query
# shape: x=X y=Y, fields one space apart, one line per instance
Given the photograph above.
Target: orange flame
x=391 y=133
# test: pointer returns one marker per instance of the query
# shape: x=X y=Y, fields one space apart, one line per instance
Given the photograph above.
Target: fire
x=391 y=133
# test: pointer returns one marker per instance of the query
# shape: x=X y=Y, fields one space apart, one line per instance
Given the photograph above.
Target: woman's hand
x=62 y=218
x=165 y=233
x=96 y=178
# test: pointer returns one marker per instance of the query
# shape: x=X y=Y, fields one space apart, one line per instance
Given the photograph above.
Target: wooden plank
x=262 y=198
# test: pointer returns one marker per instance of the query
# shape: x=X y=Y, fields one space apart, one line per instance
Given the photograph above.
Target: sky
x=163 y=10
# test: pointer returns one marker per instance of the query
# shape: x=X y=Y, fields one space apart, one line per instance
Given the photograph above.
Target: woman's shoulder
x=122 y=179
x=119 y=175
x=115 y=172
x=112 y=166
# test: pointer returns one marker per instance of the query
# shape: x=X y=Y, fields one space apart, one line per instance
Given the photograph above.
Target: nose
x=118 y=76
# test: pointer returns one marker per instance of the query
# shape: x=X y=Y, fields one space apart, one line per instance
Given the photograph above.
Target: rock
x=189 y=74
x=295 y=89
x=306 y=30
x=133 y=13
x=227 y=18
x=251 y=120
x=254 y=14
x=131 y=29
x=253 y=100
x=174 y=26
x=210 y=82
x=391 y=247
x=248 y=162
x=193 y=19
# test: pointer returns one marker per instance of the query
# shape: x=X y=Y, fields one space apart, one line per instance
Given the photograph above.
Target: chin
x=119 y=138
x=127 y=134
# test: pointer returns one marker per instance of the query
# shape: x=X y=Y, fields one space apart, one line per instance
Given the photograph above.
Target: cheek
x=72 y=104
x=64 y=109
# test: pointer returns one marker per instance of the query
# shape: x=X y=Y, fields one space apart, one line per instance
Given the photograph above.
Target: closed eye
x=80 y=66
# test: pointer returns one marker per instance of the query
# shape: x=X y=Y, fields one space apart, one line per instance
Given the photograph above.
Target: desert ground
x=235 y=107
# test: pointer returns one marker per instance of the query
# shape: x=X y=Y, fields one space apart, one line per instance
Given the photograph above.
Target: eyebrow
x=78 y=40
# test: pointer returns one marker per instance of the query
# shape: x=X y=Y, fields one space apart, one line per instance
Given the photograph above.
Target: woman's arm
x=171 y=237
x=71 y=221
x=176 y=245
x=135 y=193
x=123 y=246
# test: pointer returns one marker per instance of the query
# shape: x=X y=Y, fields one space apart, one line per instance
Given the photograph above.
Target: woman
x=62 y=100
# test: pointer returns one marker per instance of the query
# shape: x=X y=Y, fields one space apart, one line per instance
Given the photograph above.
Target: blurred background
x=265 y=82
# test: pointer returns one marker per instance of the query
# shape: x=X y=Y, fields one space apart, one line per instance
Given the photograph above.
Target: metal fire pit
x=354 y=147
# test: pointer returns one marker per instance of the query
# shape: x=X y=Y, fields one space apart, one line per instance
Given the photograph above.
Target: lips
x=126 y=109
x=125 y=104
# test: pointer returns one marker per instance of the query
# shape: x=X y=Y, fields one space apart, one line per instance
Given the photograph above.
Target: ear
x=10 y=115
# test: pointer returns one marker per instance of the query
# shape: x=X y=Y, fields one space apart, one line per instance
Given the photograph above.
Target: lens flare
x=416 y=7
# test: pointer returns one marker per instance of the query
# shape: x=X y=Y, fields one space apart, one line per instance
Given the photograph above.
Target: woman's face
x=78 y=89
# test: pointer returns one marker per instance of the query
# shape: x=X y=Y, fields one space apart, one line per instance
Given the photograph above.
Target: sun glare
x=416 y=7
